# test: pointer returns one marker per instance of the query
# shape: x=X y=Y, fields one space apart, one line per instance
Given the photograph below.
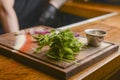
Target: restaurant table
x=11 y=69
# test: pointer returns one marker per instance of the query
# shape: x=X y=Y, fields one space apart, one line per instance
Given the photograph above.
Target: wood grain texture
x=65 y=70
x=82 y=11
x=11 y=69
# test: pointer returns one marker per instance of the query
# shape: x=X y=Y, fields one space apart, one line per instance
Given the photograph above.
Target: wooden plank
x=82 y=11
x=84 y=59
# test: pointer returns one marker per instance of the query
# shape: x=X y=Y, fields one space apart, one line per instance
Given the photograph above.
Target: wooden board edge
x=33 y=63
x=108 y=52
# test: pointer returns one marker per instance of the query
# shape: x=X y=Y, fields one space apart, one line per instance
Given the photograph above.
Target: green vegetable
x=63 y=45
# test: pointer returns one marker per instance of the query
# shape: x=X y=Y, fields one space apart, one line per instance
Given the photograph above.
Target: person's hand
x=48 y=16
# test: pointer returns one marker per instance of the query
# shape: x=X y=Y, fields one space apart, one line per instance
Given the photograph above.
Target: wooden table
x=14 y=70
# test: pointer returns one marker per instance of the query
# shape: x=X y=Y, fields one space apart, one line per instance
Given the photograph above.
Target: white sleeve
x=57 y=3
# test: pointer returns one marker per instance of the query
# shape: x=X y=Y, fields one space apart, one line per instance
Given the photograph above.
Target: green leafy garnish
x=63 y=45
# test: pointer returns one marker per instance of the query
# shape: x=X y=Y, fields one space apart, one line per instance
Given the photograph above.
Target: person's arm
x=8 y=16
x=57 y=3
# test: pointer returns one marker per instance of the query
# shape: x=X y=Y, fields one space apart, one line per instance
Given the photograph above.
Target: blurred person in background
x=18 y=14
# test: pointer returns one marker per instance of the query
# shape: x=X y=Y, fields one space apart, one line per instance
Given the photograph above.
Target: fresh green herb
x=63 y=45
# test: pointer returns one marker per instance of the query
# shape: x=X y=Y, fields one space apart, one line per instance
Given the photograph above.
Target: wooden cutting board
x=60 y=69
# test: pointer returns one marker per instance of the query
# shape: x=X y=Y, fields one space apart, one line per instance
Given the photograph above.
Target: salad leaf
x=63 y=44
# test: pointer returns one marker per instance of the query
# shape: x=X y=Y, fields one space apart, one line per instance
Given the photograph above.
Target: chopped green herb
x=63 y=45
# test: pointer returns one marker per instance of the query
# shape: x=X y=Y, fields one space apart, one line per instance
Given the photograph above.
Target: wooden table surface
x=14 y=70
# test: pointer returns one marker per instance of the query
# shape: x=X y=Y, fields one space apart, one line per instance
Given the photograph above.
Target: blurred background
x=65 y=17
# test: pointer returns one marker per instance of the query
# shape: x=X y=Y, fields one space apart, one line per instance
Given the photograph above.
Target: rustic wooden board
x=60 y=69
